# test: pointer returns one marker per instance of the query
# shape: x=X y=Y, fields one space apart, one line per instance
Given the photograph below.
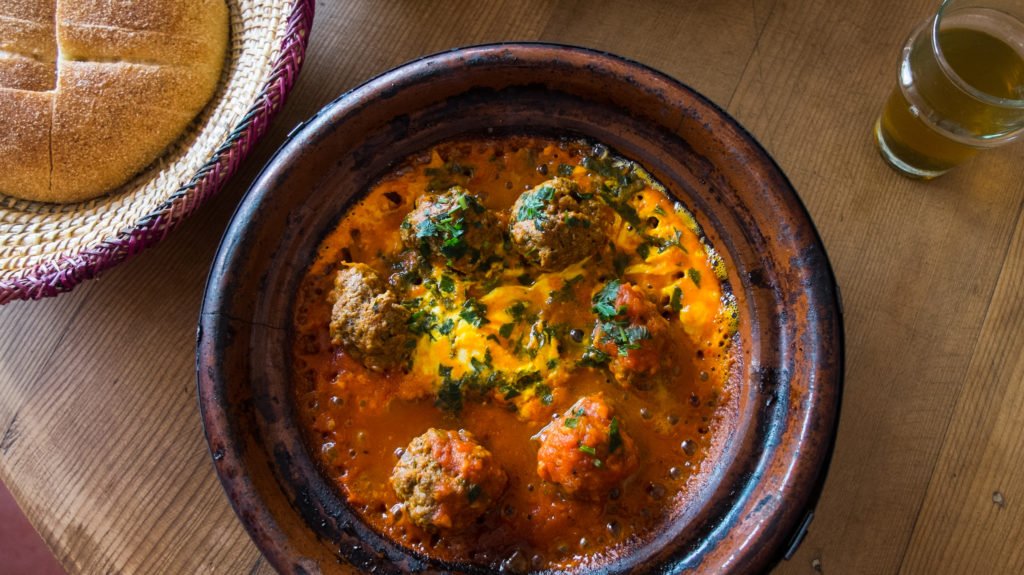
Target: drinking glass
x=960 y=88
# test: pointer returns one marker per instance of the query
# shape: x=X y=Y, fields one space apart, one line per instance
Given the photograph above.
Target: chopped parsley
x=676 y=301
x=449 y=227
x=614 y=436
x=422 y=322
x=643 y=250
x=588 y=449
x=604 y=300
x=516 y=310
x=449 y=394
x=446 y=326
x=478 y=365
x=694 y=275
x=675 y=241
x=624 y=336
x=594 y=357
x=544 y=392
x=446 y=284
x=505 y=330
x=474 y=312
x=572 y=422
x=533 y=204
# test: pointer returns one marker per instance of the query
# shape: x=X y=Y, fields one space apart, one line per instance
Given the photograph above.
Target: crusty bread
x=95 y=90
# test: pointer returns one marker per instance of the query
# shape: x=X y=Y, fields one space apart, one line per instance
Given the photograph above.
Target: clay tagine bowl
x=756 y=501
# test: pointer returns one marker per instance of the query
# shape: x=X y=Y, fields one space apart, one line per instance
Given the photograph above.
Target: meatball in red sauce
x=586 y=450
x=631 y=333
x=446 y=479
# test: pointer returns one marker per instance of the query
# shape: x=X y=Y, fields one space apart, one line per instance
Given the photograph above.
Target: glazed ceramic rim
x=787 y=522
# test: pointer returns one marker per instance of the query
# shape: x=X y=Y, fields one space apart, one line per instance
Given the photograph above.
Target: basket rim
x=53 y=277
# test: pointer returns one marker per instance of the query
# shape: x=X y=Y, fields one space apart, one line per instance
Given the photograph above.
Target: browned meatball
x=555 y=224
x=367 y=319
x=630 y=334
x=454 y=228
x=586 y=451
x=446 y=479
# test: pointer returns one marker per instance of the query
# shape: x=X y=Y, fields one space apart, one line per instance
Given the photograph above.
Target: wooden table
x=100 y=439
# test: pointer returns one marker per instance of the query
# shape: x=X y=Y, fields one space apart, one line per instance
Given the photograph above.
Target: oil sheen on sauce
x=357 y=421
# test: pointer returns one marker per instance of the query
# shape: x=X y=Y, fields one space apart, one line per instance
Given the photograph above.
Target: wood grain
x=972 y=519
x=906 y=255
x=100 y=439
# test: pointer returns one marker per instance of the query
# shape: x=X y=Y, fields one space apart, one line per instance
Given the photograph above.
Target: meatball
x=631 y=333
x=454 y=228
x=555 y=224
x=446 y=479
x=367 y=319
x=586 y=451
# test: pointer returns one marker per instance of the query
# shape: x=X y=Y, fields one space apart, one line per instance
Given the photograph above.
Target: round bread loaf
x=93 y=91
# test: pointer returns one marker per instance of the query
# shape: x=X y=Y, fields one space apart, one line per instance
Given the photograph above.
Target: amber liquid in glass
x=932 y=145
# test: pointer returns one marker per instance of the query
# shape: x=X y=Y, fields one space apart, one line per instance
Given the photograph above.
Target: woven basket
x=46 y=249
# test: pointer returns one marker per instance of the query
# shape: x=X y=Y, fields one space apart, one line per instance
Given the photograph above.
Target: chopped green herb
x=588 y=449
x=623 y=335
x=594 y=357
x=505 y=330
x=565 y=170
x=600 y=164
x=422 y=322
x=552 y=363
x=675 y=241
x=516 y=310
x=447 y=224
x=474 y=493
x=446 y=284
x=614 y=437
x=446 y=326
x=643 y=250
x=544 y=393
x=477 y=365
x=676 y=301
x=572 y=422
x=694 y=275
x=604 y=300
x=474 y=312
x=598 y=463
x=449 y=394
x=626 y=212
x=533 y=205
x=659 y=210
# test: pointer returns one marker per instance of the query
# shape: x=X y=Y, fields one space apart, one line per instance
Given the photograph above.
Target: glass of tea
x=960 y=89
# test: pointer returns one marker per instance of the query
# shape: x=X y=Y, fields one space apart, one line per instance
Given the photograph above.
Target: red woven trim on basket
x=53 y=277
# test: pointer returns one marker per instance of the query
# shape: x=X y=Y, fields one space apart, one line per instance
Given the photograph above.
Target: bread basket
x=46 y=249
